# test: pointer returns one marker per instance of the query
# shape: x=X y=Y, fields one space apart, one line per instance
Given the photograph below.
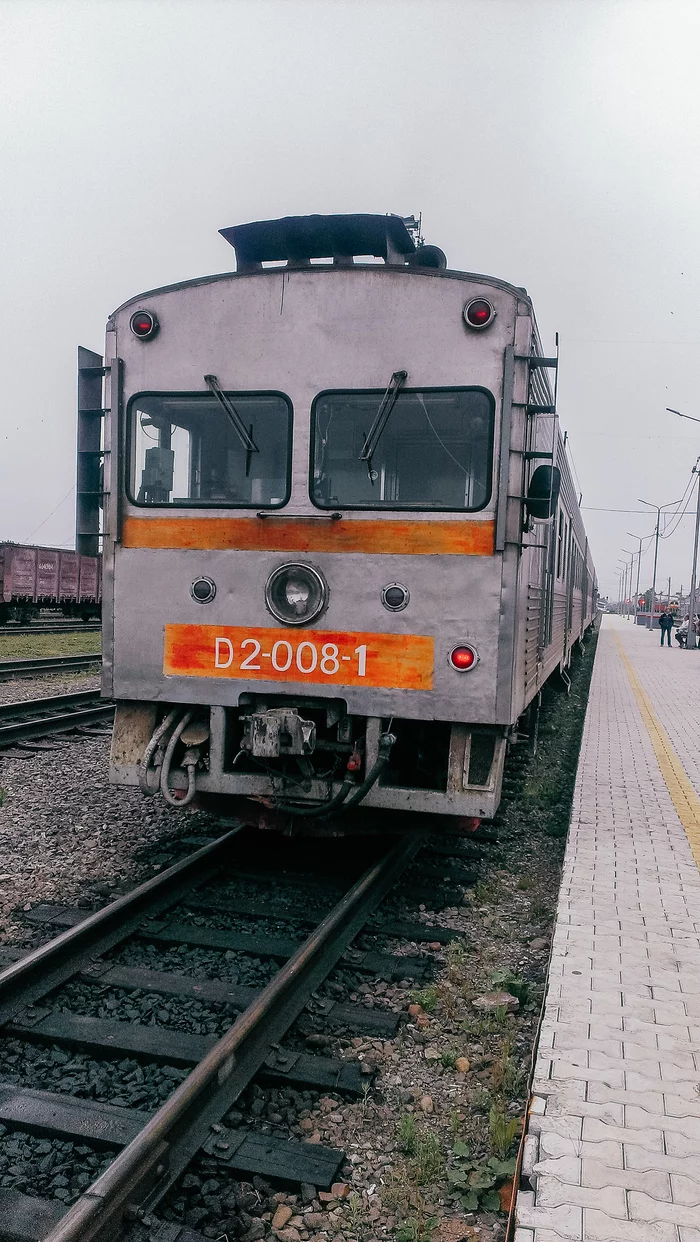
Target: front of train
x=303 y=591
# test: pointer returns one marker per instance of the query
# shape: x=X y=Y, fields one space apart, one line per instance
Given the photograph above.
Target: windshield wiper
x=234 y=417
x=388 y=402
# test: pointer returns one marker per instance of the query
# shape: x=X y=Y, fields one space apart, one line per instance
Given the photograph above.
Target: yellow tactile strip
x=684 y=797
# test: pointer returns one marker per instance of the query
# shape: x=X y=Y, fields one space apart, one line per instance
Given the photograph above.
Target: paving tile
x=564 y=1220
x=618 y=1112
x=644 y=1207
x=653 y=1181
x=642 y=1159
x=562 y=1169
x=687 y=1189
x=599 y=1227
x=556 y=1194
x=608 y=1153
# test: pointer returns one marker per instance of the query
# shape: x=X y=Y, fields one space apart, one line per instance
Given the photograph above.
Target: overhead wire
x=50 y=515
x=687 y=496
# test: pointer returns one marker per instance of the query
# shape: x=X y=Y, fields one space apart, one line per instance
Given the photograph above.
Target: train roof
x=297 y=240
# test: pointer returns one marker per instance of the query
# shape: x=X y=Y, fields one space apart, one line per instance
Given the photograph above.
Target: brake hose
x=386 y=742
x=167 y=760
x=325 y=808
x=148 y=753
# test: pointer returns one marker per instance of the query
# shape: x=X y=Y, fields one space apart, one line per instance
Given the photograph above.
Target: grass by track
x=33 y=647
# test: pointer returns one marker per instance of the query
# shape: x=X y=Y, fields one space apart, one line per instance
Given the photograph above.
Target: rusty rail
x=143 y=1172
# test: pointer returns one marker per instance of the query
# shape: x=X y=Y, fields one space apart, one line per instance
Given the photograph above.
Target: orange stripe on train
x=470 y=537
x=325 y=657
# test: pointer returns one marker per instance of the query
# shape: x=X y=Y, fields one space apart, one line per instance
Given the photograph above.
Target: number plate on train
x=394 y=661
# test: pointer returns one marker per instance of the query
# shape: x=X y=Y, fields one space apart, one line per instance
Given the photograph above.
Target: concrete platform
x=613 y=1145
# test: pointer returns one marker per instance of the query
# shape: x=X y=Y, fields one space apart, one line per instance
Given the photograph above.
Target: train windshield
x=434 y=452
x=192 y=449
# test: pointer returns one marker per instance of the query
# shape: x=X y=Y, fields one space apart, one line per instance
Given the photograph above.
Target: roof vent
x=298 y=239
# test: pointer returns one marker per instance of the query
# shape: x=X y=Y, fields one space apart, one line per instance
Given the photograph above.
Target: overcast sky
x=552 y=143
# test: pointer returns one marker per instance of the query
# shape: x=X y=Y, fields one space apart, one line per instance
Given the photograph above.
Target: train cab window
x=186 y=449
x=434 y=451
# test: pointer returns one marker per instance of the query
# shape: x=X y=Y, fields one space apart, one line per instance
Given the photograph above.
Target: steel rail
x=142 y=1173
x=20 y=707
x=38 y=717
x=38 y=972
x=53 y=627
x=48 y=664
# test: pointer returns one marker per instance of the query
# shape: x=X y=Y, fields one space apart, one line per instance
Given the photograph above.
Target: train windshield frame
x=435 y=452
x=184 y=450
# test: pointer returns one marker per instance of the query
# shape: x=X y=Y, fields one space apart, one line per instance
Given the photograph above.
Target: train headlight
x=295 y=594
x=395 y=597
x=203 y=590
x=463 y=657
x=143 y=324
x=479 y=314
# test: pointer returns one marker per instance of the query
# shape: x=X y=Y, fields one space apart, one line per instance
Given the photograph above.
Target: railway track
x=193 y=934
x=53 y=627
x=48 y=664
x=61 y=713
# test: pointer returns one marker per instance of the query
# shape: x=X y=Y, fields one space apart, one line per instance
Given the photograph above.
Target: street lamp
x=629 y=585
x=638 y=554
x=656 y=550
x=623 y=585
x=691 y=641
x=619 y=592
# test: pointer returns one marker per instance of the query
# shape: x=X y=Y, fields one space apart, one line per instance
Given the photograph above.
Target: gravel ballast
x=64 y=830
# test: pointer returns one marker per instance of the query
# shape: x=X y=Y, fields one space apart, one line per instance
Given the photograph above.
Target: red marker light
x=143 y=324
x=463 y=658
x=479 y=313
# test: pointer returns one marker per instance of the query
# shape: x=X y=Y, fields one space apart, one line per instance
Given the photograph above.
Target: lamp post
x=638 y=554
x=629 y=583
x=656 y=550
x=691 y=642
x=623 y=584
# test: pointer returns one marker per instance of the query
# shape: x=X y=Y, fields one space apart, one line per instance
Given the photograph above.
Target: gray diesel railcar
x=342 y=547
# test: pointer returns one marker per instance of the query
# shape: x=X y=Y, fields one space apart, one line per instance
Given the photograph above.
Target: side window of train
x=434 y=451
x=185 y=449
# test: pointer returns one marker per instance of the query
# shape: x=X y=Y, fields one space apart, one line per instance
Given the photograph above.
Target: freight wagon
x=32 y=578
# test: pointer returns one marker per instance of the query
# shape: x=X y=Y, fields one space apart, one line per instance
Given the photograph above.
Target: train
x=33 y=577
x=343 y=550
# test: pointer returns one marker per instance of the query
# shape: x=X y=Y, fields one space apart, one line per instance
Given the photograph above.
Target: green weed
x=502 y=1130
x=429 y=1159
x=426 y=998
x=407 y=1134
x=416 y=1229
x=506 y=981
x=475 y=1181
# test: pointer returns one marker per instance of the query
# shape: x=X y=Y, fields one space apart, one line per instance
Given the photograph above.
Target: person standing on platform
x=665 y=625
